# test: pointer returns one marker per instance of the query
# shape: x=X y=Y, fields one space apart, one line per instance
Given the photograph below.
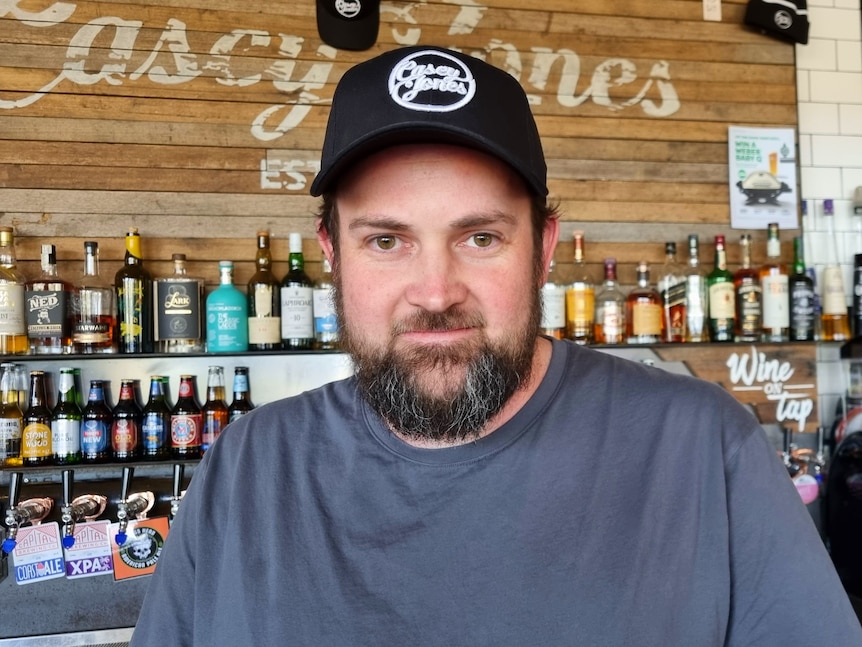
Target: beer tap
x=178 y=492
x=31 y=511
x=82 y=508
x=131 y=505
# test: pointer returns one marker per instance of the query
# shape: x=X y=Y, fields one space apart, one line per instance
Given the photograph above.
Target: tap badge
x=348 y=8
x=429 y=81
x=142 y=549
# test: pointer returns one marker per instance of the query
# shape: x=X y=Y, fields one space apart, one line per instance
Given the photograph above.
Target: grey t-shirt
x=622 y=506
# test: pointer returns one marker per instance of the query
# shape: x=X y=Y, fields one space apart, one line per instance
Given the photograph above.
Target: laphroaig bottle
x=749 y=296
x=643 y=310
x=126 y=424
x=11 y=418
x=241 y=403
x=722 y=302
x=671 y=287
x=696 y=296
x=297 y=301
x=803 y=315
x=179 y=305
x=610 y=308
x=49 y=308
x=94 y=317
x=553 y=305
x=36 y=437
x=325 y=319
x=215 y=409
x=264 y=300
x=834 y=320
x=134 y=289
x=156 y=422
x=96 y=421
x=66 y=421
x=186 y=421
x=13 y=330
x=774 y=283
x=227 y=315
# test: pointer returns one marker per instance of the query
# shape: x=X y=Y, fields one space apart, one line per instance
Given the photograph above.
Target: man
x=475 y=483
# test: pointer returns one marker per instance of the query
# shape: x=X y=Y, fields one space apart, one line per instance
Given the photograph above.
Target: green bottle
x=722 y=296
x=66 y=421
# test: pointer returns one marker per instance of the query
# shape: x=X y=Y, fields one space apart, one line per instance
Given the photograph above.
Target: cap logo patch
x=348 y=8
x=429 y=81
x=783 y=19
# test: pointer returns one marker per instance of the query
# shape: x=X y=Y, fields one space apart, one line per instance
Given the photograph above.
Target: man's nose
x=437 y=282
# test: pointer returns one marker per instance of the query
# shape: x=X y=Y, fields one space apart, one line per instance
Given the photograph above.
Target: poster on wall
x=762 y=174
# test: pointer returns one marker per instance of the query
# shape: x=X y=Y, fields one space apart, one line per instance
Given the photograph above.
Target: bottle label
x=92 y=331
x=48 y=313
x=612 y=322
x=178 y=310
x=36 y=440
x=10 y=438
x=553 y=307
x=155 y=431
x=94 y=437
x=227 y=325
x=297 y=312
x=776 y=302
x=802 y=311
x=749 y=305
x=12 y=309
x=65 y=436
x=264 y=330
x=124 y=436
x=213 y=426
x=130 y=310
x=721 y=301
x=834 y=301
x=186 y=429
x=646 y=320
x=240 y=383
x=581 y=304
x=325 y=320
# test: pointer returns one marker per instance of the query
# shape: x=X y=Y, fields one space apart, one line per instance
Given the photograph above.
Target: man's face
x=437 y=285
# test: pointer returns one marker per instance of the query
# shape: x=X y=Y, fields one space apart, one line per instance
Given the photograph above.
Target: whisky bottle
x=323 y=307
x=96 y=420
x=49 y=308
x=179 y=300
x=696 y=296
x=93 y=315
x=66 y=421
x=264 y=300
x=156 y=422
x=774 y=283
x=800 y=286
x=297 y=299
x=834 y=320
x=722 y=302
x=671 y=287
x=643 y=310
x=553 y=322
x=749 y=297
x=13 y=329
x=241 y=403
x=610 y=326
x=126 y=424
x=36 y=436
x=11 y=418
x=134 y=289
x=186 y=421
x=215 y=409
x=580 y=297
x=227 y=315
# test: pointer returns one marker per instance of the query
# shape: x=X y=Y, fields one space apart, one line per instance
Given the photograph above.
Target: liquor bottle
x=215 y=409
x=696 y=297
x=13 y=329
x=580 y=297
x=93 y=316
x=66 y=421
x=49 y=308
x=800 y=287
x=774 y=283
x=241 y=404
x=553 y=322
x=643 y=310
x=126 y=424
x=749 y=297
x=671 y=287
x=11 y=418
x=186 y=421
x=834 y=321
x=134 y=289
x=264 y=300
x=325 y=319
x=722 y=302
x=610 y=326
x=297 y=301
x=36 y=436
x=857 y=296
x=227 y=315
x=96 y=422
x=156 y=422
x=179 y=301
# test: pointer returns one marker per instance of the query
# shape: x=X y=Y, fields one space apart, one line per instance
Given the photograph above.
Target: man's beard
x=470 y=382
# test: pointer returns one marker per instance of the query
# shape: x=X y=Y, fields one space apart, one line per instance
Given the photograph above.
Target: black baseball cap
x=424 y=94
x=348 y=24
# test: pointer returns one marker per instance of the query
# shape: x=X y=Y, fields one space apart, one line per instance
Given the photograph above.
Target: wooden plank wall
x=200 y=121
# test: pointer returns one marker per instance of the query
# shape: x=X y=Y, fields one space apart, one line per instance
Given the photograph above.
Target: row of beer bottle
x=72 y=432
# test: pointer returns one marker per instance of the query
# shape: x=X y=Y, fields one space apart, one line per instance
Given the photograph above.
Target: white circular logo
x=348 y=8
x=429 y=81
x=783 y=19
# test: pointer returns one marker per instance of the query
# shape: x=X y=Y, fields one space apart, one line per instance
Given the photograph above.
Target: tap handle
x=128 y=473
x=123 y=507
x=68 y=519
x=12 y=520
x=14 y=488
x=68 y=477
x=179 y=471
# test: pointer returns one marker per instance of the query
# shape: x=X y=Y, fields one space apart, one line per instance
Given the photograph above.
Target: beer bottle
x=134 y=289
x=66 y=421
x=241 y=404
x=36 y=436
x=11 y=418
x=215 y=411
x=126 y=424
x=186 y=421
x=157 y=422
x=96 y=421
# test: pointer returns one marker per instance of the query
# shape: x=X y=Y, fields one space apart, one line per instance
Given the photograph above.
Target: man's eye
x=385 y=242
x=482 y=240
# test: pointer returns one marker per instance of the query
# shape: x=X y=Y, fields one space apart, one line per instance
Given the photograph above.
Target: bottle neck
x=67 y=388
x=296 y=261
x=225 y=277
x=91 y=265
x=720 y=258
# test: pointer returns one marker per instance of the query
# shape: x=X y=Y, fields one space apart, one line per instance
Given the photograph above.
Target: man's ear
x=325 y=242
x=550 y=238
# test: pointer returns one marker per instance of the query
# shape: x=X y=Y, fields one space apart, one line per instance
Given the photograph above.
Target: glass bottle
x=126 y=424
x=323 y=307
x=610 y=326
x=11 y=418
x=643 y=310
x=13 y=329
x=215 y=409
x=178 y=320
x=834 y=321
x=580 y=297
x=671 y=287
x=186 y=421
x=800 y=286
x=722 y=302
x=156 y=422
x=36 y=436
x=227 y=315
x=241 y=403
x=264 y=300
x=49 y=308
x=66 y=421
x=96 y=422
x=749 y=297
x=553 y=322
x=774 y=283
x=93 y=316
x=134 y=289
x=297 y=301
x=696 y=296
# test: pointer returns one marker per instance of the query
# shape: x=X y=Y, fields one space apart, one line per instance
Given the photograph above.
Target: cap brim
x=342 y=33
